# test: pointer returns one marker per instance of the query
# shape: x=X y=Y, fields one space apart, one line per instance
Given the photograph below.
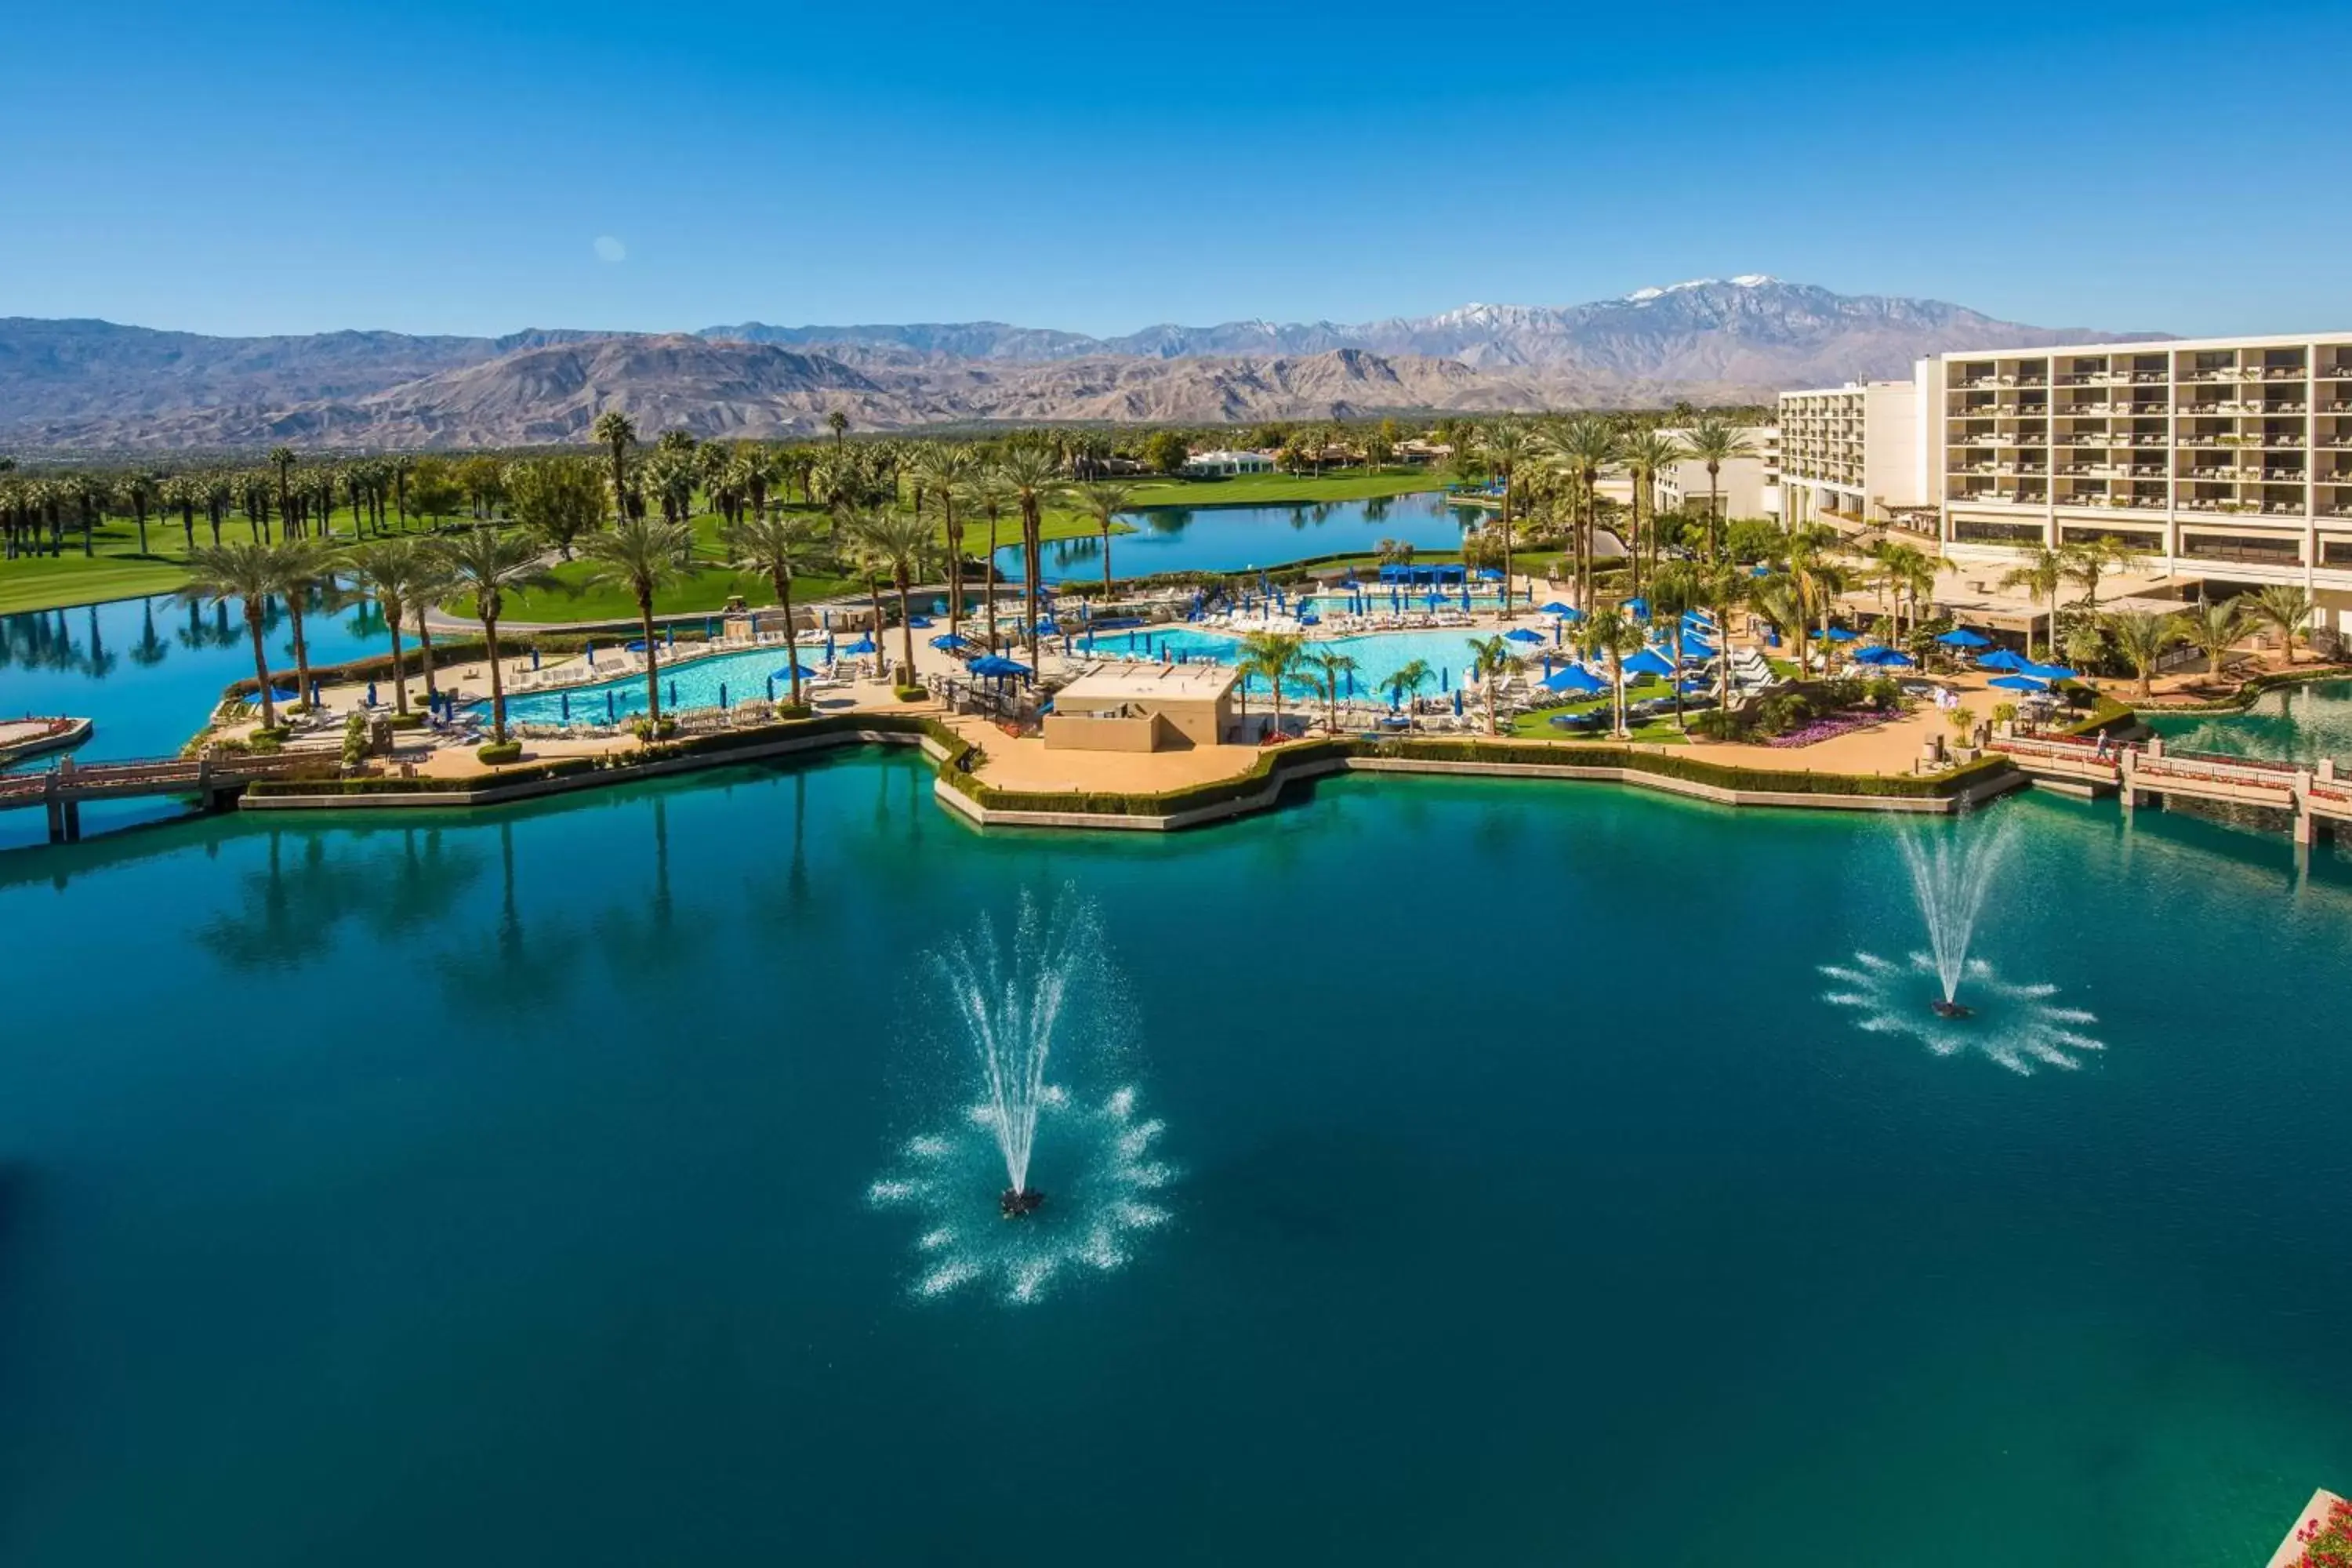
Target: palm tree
x=617 y=433
x=1328 y=667
x=250 y=571
x=1276 y=656
x=390 y=571
x=993 y=497
x=1491 y=658
x=641 y=556
x=1407 y=681
x=775 y=547
x=490 y=564
x=1674 y=592
x=2041 y=574
x=435 y=580
x=2092 y=559
x=1779 y=601
x=1104 y=499
x=2213 y=627
x=1579 y=450
x=1506 y=448
x=141 y=492
x=2141 y=636
x=303 y=564
x=945 y=470
x=1714 y=441
x=1817 y=576
x=904 y=546
x=1034 y=478
x=1647 y=453
x=282 y=460
x=2285 y=607
x=1616 y=637
x=1723 y=588
x=839 y=423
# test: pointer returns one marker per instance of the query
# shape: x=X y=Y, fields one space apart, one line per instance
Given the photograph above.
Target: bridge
x=213 y=781
x=2316 y=798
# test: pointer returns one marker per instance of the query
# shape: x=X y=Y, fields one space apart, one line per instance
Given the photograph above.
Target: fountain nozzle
x=1953 y=1010
x=1020 y=1203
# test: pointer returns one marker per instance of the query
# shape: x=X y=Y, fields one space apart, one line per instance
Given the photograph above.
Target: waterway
x=1243 y=538
x=500 y=1189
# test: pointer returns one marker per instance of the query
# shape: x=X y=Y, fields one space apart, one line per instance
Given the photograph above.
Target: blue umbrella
x=1837 y=633
x=1647 y=662
x=638 y=646
x=1876 y=653
x=563 y=704
x=1638 y=608
x=1444 y=676
x=949 y=641
x=1693 y=648
x=669 y=637
x=786 y=671
x=371 y=701
x=2004 y=658
x=863 y=645
x=2018 y=683
x=1961 y=636
x=2051 y=672
x=1557 y=608
x=920 y=623
x=534 y=655
x=772 y=686
x=285 y=694
x=1574 y=677
x=1457 y=705
x=1050 y=627
x=591 y=653
x=1524 y=634
x=1893 y=658
x=722 y=695
x=610 y=710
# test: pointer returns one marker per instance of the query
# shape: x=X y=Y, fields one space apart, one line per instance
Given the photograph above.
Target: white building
x=1743 y=485
x=1851 y=452
x=1224 y=465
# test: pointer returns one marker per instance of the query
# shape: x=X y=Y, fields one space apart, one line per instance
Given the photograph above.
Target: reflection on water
x=2294 y=724
x=1231 y=539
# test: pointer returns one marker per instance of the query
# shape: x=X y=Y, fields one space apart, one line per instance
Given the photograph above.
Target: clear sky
x=436 y=166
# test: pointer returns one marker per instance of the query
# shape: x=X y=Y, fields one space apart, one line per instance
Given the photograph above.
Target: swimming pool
x=723 y=680
x=1378 y=655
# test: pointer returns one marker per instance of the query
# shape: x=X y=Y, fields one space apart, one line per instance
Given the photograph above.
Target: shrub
x=499 y=752
x=267 y=742
x=355 y=742
x=406 y=721
x=909 y=693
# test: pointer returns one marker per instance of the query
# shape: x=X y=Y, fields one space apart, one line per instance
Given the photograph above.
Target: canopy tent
x=1647 y=662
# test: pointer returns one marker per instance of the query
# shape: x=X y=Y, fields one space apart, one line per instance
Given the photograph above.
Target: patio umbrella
x=1557 y=608
x=611 y=711
x=371 y=701
x=863 y=645
x=564 y=705
x=1961 y=636
x=284 y=694
x=1457 y=705
x=947 y=642
x=1637 y=609
x=786 y=671
x=1524 y=634
x=1574 y=677
x=669 y=637
x=2018 y=683
x=920 y=623
x=2003 y=659
x=1885 y=657
x=2049 y=672
x=1836 y=634
x=1490 y=573
x=1647 y=662
x=637 y=646
x=534 y=655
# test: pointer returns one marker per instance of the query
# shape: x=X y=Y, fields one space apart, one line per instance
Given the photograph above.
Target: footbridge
x=212 y=782
x=2318 y=798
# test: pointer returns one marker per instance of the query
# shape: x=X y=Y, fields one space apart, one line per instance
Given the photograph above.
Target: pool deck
x=2314 y=1513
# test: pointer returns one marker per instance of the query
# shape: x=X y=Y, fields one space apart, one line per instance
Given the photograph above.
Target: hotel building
x=2226 y=460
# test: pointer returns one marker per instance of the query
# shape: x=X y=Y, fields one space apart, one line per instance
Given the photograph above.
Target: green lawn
x=708 y=590
x=47 y=585
x=1273 y=489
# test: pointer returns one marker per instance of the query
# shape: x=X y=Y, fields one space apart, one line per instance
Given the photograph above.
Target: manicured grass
x=706 y=591
x=49 y=585
x=1271 y=490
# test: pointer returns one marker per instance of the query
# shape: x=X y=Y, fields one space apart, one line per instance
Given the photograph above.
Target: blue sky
x=441 y=167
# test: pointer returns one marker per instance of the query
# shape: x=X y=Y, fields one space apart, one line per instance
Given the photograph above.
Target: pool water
x=1240 y=537
x=1378 y=655
x=724 y=679
x=2293 y=724
x=497 y=1188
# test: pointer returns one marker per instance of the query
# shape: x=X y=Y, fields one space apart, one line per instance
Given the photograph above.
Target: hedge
x=559 y=767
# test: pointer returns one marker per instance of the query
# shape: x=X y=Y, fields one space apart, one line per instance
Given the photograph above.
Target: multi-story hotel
x=1852 y=451
x=1742 y=487
x=2226 y=460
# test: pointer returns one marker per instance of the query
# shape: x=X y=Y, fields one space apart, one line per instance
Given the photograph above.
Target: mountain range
x=88 y=385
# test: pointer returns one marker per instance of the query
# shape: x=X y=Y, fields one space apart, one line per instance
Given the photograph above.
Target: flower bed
x=1828 y=728
x=2327 y=1541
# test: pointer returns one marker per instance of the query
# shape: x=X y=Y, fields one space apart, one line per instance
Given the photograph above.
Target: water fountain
x=1950 y=875
x=1043 y=995
x=2017 y=1025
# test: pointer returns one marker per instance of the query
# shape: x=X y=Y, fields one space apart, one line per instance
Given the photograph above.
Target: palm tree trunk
x=874 y=594
x=498 y=686
x=399 y=674
x=424 y=647
x=653 y=658
x=791 y=637
x=1033 y=559
x=990 y=610
x=302 y=646
x=955 y=567
x=905 y=627
x=261 y=666
x=1507 y=542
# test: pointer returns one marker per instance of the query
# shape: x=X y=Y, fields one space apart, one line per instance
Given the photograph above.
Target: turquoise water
x=2296 y=723
x=497 y=1189
x=696 y=683
x=1237 y=538
x=1377 y=655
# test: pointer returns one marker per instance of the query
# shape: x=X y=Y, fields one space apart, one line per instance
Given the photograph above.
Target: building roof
x=1141 y=683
